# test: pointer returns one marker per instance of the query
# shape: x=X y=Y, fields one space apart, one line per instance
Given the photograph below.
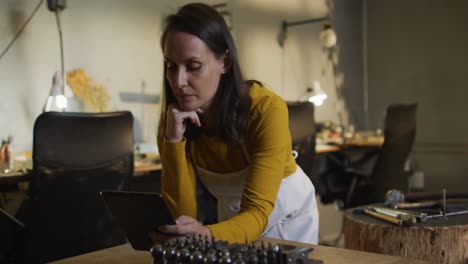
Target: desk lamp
x=57 y=100
x=314 y=95
x=58 y=90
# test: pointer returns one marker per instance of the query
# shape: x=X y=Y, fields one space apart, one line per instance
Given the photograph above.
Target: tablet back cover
x=138 y=213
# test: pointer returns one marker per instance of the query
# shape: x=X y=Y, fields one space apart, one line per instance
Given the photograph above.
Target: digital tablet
x=138 y=213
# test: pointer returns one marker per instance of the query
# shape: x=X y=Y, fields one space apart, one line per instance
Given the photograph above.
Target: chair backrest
x=302 y=128
x=399 y=133
x=75 y=156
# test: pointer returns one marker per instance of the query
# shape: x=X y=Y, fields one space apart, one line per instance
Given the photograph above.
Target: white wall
x=117 y=43
x=289 y=70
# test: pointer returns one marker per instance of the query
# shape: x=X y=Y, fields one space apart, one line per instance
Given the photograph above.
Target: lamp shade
x=57 y=100
x=314 y=95
x=328 y=36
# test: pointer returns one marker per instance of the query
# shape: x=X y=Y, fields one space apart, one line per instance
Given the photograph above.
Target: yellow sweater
x=268 y=144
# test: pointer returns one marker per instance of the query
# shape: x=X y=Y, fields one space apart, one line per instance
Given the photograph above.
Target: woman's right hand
x=185 y=225
x=176 y=122
x=160 y=238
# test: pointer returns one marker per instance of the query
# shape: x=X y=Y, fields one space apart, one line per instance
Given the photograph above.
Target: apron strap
x=207 y=204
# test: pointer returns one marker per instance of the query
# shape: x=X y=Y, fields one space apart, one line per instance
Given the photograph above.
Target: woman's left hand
x=186 y=225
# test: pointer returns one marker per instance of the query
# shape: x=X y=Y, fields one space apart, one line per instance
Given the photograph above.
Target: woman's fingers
x=193 y=116
x=183 y=220
x=185 y=225
x=176 y=122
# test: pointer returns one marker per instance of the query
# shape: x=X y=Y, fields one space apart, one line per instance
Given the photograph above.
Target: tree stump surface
x=437 y=240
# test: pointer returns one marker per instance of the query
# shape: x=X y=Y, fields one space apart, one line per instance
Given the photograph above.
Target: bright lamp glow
x=61 y=101
x=57 y=100
x=318 y=99
x=314 y=95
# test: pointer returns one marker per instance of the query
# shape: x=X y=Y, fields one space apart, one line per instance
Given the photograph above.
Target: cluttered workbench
x=426 y=226
x=315 y=254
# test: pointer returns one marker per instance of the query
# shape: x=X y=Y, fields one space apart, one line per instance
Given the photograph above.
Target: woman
x=228 y=136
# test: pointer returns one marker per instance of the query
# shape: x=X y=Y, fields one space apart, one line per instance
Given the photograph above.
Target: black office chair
x=75 y=156
x=302 y=128
x=388 y=172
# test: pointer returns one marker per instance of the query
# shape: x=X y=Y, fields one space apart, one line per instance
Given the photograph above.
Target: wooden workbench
x=125 y=254
x=438 y=240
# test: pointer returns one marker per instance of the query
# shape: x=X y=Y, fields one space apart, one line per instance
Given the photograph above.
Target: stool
x=437 y=240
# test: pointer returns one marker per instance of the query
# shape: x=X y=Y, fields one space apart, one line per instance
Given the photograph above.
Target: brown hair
x=231 y=99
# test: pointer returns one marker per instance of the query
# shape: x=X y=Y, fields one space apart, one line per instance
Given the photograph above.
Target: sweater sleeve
x=177 y=176
x=269 y=144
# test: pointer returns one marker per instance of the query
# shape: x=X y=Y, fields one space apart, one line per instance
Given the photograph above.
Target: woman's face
x=193 y=71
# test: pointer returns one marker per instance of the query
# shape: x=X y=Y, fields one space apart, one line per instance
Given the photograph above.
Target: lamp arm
x=62 y=59
x=285 y=24
x=306 y=21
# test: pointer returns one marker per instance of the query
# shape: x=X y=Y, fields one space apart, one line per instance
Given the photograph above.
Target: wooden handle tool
x=387 y=218
x=417 y=204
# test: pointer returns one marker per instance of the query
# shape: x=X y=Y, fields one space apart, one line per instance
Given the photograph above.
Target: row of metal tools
x=408 y=209
x=198 y=250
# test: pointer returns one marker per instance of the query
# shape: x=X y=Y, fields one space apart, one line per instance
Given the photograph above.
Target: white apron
x=295 y=215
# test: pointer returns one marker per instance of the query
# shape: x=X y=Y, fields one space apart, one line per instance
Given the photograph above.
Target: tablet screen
x=138 y=213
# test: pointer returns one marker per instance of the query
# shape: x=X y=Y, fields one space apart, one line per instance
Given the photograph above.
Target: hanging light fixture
x=58 y=92
x=56 y=100
x=327 y=35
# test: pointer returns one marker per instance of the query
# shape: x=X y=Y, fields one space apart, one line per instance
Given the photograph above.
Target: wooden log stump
x=437 y=240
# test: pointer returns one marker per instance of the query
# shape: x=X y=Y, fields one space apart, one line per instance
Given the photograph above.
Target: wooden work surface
x=363 y=143
x=14 y=177
x=437 y=240
x=17 y=177
x=125 y=254
x=324 y=148
x=143 y=169
x=358 y=140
